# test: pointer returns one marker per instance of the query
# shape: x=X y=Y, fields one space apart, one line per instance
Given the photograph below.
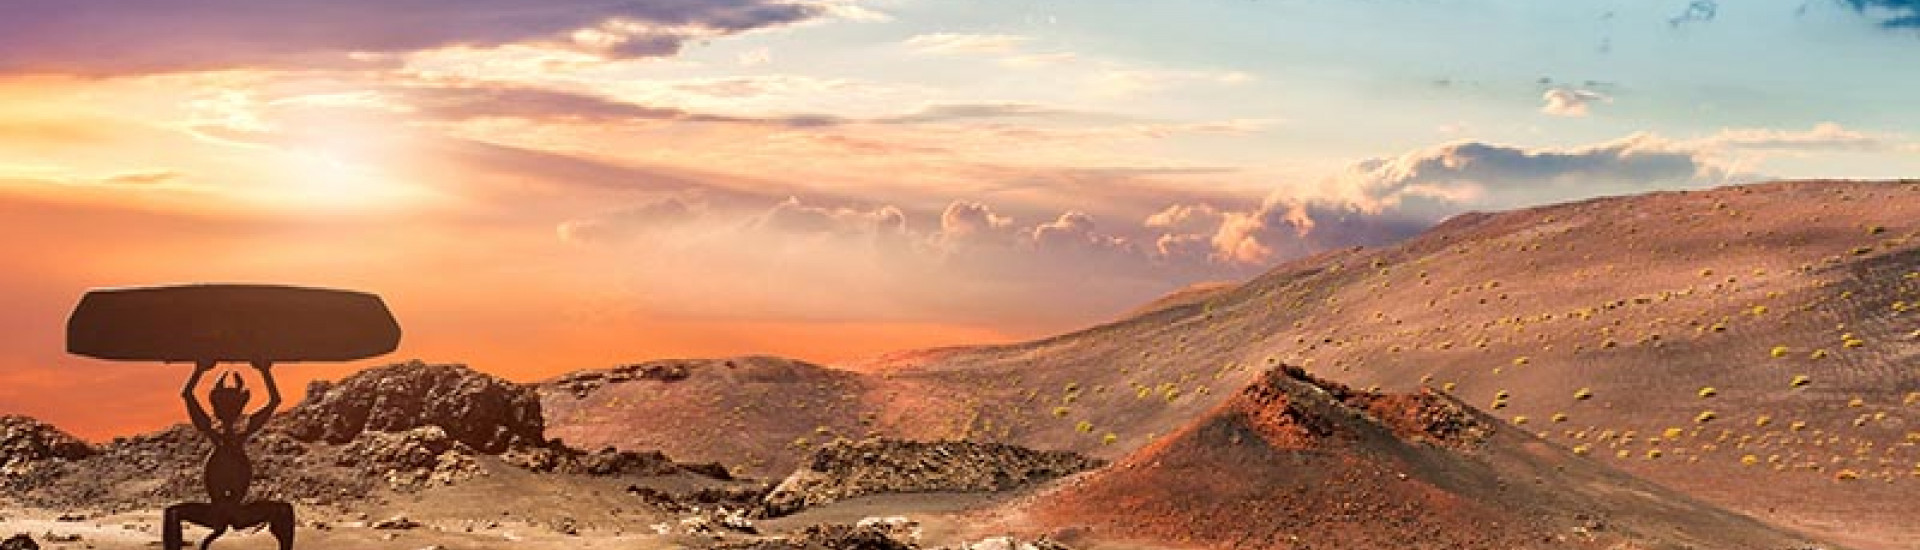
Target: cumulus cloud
x=633 y=222
x=797 y=218
x=1382 y=200
x=143 y=36
x=1466 y=172
x=966 y=222
x=990 y=262
x=985 y=264
x=1570 y=102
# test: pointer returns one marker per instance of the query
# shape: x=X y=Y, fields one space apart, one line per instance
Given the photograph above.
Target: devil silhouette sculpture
x=229 y=472
x=207 y=324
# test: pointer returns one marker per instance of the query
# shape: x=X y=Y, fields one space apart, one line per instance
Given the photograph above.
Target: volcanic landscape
x=1734 y=368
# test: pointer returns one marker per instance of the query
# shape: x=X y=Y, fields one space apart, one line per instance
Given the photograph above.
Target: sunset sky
x=539 y=187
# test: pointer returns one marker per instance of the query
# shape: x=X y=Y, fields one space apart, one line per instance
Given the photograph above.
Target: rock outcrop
x=26 y=444
x=483 y=412
x=846 y=469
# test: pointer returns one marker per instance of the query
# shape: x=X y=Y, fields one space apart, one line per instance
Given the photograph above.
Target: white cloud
x=1570 y=102
x=1823 y=136
x=966 y=44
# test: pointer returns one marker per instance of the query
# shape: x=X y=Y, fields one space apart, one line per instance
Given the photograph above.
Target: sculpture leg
x=217 y=531
x=277 y=515
x=197 y=513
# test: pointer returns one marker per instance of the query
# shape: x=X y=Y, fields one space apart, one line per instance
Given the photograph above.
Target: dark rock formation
x=485 y=413
x=27 y=444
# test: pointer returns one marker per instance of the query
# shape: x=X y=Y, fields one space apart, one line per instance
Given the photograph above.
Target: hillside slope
x=1762 y=339
x=1296 y=462
x=1602 y=323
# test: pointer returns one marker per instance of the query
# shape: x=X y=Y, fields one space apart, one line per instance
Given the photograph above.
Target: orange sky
x=459 y=300
x=542 y=187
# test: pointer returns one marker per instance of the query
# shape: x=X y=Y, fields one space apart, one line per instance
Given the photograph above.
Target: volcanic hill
x=1296 y=462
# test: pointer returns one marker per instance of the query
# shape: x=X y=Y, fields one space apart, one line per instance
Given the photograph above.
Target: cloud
x=630 y=223
x=142 y=177
x=464 y=101
x=1382 y=200
x=966 y=44
x=1823 y=136
x=949 y=112
x=797 y=218
x=1570 y=102
x=1696 y=11
x=966 y=222
x=1893 y=14
x=474 y=101
x=1899 y=14
x=111 y=37
x=1473 y=171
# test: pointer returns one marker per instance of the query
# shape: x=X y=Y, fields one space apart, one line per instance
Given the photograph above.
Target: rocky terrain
x=395 y=428
x=27 y=444
x=846 y=469
x=442 y=451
